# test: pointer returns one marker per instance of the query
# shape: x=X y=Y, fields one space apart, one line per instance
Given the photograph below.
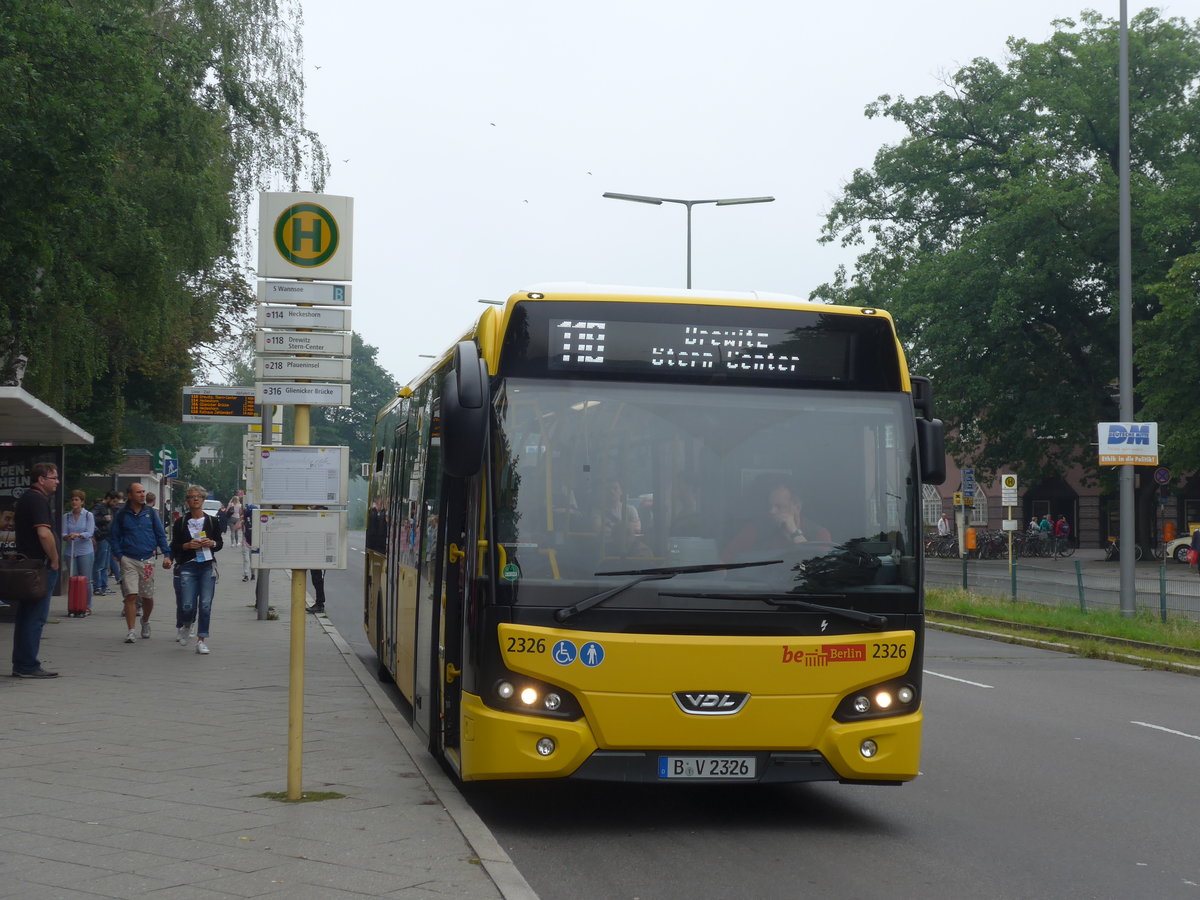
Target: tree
x=991 y=231
x=132 y=136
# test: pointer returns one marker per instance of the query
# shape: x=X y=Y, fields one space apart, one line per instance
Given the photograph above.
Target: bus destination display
x=220 y=404
x=701 y=349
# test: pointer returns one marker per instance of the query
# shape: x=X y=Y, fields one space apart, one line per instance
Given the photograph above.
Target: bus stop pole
x=262 y=587
x=296 y=656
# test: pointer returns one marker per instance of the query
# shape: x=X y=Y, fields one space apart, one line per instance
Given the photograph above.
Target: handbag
x=1192 y=555
x=23 y=580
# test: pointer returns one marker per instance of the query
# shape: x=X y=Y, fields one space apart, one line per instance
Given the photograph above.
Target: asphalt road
x=1043 y=775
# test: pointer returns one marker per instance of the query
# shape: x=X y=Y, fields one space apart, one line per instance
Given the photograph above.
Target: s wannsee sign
x=315 y=292
x=1128 y=443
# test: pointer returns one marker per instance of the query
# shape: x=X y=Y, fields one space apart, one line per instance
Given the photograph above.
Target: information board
x=302 y=476
x=320 y=317
x=289 y=368
x=299 y=539
x=316 y=342
x=318 y=292
x=219 y=403
x=286 y=393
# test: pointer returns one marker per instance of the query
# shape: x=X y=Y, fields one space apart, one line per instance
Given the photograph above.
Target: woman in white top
x=194 y=539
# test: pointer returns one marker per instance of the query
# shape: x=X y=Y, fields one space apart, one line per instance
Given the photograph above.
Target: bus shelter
x=30 y=432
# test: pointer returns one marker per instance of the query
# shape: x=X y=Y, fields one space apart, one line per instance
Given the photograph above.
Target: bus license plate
x=723 y=768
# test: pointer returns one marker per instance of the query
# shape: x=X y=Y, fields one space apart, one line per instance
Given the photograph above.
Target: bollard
x=1162 y=590
x=1079 y=585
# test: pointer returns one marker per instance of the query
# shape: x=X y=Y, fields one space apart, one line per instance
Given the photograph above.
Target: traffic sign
x=968 y=482
x=1008 y=490
x=1162 y=475
x=160 y=458
x=170 y=468
x=305 y=236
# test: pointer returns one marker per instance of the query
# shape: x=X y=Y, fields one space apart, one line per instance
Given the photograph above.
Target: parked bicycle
x=1113 y=551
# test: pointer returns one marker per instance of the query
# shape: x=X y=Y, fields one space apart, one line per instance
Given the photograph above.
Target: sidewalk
x=135 y=773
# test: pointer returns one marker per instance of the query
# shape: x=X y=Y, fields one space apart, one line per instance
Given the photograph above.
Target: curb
x=500 y=868
x=1003 y=637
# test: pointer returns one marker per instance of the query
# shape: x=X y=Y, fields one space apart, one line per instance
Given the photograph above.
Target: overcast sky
x=476 y=138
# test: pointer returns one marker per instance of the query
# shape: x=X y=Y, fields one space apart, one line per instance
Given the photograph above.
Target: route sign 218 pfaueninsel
x=305 y=236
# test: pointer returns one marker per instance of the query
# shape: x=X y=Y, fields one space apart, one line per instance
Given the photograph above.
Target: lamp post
x=659 y=201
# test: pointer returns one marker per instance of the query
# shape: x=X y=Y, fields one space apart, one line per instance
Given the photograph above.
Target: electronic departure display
x=700 y=343
x=216 y=403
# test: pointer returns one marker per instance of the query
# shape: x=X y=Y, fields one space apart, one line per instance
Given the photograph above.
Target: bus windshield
x=600 y=479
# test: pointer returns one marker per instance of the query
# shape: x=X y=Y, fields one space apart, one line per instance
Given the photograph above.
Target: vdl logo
x=306 y=235
x=1133 y=434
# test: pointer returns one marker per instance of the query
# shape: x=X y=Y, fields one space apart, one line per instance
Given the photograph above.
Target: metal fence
x=1087 y=581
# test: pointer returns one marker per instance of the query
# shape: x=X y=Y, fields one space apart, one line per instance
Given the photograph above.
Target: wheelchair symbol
x=564 y=653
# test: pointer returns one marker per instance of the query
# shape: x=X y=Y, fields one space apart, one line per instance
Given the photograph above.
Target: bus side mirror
x=931 y=450
x=465 y=397
x=922 y=395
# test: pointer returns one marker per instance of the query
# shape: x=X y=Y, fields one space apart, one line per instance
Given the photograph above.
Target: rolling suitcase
x=77 y=594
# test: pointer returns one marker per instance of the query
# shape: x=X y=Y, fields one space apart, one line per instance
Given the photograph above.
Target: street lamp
x=659 y=201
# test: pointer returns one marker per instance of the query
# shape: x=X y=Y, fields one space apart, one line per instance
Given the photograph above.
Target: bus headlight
x=892 y=698
x=517 y=693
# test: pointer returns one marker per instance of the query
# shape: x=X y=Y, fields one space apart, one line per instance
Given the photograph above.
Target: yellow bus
x=647 y=535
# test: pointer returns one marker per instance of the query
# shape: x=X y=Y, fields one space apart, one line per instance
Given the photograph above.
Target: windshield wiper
x=792 y=600
x=658 y=574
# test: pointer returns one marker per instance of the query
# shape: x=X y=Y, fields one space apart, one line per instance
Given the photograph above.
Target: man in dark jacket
x=37 y=538
x=102 y=512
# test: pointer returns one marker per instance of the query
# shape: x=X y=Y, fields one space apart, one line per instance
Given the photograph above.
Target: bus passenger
x=784 y=526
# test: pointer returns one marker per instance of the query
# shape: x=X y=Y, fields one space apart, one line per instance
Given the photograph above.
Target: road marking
x=1194 y=737
x=961 y=680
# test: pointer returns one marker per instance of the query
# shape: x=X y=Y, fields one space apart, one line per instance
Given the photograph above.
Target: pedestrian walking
x=195 y=539
x=36 y=539
x=137 y=537
x=234 y=511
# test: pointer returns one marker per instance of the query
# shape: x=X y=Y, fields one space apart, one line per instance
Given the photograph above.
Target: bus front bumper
x=503 y=745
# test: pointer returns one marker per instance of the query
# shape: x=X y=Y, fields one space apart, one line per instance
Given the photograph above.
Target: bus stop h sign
x=305 y=236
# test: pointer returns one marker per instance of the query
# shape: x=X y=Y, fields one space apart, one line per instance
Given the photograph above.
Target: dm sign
x=304 y=236
x=1128 y=443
